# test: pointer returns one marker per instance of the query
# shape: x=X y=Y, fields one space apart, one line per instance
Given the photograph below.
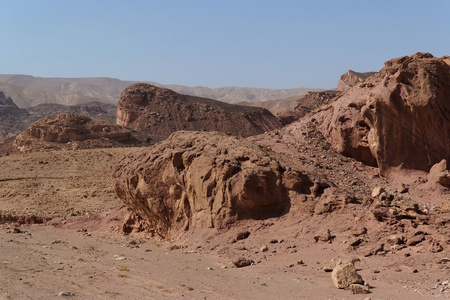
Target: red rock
x=396 y=118
x=160 y=111
x=70 y=131
x=440 y=174
x=198 y=180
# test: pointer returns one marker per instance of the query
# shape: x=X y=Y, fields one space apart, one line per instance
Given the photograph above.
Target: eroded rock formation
x=70 y=131
x=396 y=118
x=159 y=111
x=197 y=180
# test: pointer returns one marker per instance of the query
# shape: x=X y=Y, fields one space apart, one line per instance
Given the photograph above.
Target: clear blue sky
x=273 y=44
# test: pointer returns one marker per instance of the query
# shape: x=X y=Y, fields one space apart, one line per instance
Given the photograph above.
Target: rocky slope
x=160 y=111
x=398 y=118
x=11 y=117
x=71 y=131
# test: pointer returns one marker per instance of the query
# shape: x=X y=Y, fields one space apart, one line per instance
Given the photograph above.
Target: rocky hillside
x=28 y=91
x=398 y=118
x=71 y=131
x=159 y=111
x=14 y=120
x=11 y=117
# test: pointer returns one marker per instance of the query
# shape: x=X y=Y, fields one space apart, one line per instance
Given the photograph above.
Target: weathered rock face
x=351 y=79
x=160 y=111
x=70 y=131
x=396 y=118
x=197 y=180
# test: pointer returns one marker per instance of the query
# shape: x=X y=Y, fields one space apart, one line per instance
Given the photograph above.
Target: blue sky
x=272 y=44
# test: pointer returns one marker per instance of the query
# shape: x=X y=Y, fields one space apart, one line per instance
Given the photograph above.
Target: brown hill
x=396 y=118
x=160 y=111
x=11 y=117
x=70 y=131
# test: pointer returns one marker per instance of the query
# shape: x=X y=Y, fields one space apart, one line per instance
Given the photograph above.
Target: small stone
x=243 y=235
x=435 y=247
x=209 y=268
x=323 y=236
x=444 y=260
x=243 y=262
x=359 y=289
x=356 y=242
x=66 y=294
x=264 y=248
x=377 y=191
x=416 y=239
x=263 y=284
x=395 y=240
x=345 y=275
x=358 y=231
x=415 y=271
x=300 y=262
x=329 y=265
x=274 y=241
x=376 y=271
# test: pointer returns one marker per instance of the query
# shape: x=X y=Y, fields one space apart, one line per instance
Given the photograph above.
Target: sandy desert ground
x=82 y=253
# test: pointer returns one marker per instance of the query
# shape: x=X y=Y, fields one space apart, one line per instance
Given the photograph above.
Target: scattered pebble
x=66 y=294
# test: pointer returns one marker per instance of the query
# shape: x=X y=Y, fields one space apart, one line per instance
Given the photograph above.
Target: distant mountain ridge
x=29 y=91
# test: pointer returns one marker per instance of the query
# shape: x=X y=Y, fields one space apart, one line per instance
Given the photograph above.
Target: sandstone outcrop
x=159 y=111
x=352 y=78
x=396 y=118
x=198 y=180
x=70 y=131
x=440 y=174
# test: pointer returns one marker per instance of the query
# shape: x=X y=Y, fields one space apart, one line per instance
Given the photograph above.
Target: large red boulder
x=398 y=118
x=199 y=180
